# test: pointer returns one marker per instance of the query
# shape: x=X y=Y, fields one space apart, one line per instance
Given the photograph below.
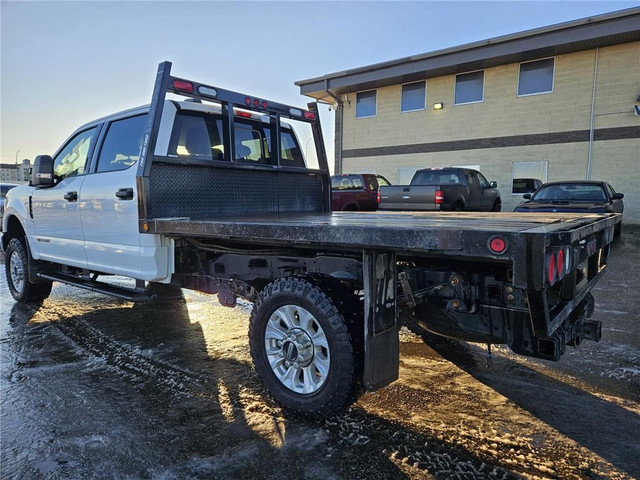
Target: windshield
x=572 y=192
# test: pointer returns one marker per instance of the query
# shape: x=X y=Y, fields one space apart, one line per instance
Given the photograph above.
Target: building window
x=413 y=96
x=536 y=77
x=366 y=104
x=526 y=177
x=469 y=87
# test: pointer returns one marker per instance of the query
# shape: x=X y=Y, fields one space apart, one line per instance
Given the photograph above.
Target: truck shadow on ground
x=196 y=415
x=603 y=427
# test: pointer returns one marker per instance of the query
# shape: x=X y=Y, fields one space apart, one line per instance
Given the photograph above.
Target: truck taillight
x=560 y=266
x=551 y=268
x=439 y=197
x=378 y=196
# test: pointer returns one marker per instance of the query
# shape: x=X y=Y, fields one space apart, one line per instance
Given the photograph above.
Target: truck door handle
x=71 y=197
x=125 y=194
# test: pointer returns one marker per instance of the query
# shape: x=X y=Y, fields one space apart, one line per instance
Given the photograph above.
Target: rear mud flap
x=381 y=341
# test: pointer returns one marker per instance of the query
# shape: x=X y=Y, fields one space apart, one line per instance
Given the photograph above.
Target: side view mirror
x=42 y=172
x=493 y=184
x=527 y=196
x=618 y=196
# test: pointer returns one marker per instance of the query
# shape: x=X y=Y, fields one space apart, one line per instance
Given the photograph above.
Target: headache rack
x=230 y=102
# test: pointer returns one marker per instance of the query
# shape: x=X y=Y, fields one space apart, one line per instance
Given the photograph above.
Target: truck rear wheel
x=17 y=270
x=301 y=347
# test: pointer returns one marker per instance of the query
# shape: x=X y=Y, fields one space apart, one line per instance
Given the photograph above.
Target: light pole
x=17 y=151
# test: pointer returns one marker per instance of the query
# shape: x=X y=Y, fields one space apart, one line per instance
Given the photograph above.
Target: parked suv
x=356 y=191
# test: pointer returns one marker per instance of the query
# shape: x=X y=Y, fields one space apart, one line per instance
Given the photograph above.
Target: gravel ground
x=96 y=388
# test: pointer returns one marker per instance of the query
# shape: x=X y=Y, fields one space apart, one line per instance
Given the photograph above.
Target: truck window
x=346 y=182
x=382 y=182
x=482 y=180
x=72 y=159
x=472 y=180
x=249 y=143
x=121 y=147
x=436 y=177
x=196 y=135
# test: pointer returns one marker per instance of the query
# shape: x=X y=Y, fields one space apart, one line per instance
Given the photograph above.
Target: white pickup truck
x=215 y=194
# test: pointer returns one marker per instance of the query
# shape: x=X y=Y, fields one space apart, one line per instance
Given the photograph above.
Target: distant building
x=554 y=103
x=20 y=173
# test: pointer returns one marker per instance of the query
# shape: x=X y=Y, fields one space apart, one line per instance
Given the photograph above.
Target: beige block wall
x=502 y=113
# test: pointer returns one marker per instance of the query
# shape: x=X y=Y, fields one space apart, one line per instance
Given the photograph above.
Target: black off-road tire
x=17 y=266
x=497 y=206
x=331 y=306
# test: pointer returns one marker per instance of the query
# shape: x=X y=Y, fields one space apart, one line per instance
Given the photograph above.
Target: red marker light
x=309 y=115
x=497 y=245
x=265 y=105
x=183 y=86
x=243 y=114
x=247 y=101
x=256 y=103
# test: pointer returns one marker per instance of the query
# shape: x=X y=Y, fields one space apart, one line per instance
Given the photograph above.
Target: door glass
x=121 y=147
x=483 y=181
x=73 y=158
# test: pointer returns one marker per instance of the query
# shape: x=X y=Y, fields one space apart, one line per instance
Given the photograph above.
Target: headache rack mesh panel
x=201 y=192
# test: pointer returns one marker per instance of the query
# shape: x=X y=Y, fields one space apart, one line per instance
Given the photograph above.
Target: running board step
x=124 y=293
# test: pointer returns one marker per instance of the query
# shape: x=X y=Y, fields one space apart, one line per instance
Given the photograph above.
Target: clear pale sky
x=66 y=63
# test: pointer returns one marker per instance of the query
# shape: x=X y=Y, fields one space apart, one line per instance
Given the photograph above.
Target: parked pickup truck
x=356 y=191
x=217 y=197
x=443 y=189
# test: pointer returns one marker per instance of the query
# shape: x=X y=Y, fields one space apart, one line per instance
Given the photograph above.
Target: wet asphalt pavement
x=97 y=388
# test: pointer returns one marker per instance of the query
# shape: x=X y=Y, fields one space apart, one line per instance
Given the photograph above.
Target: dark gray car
x=577 y=196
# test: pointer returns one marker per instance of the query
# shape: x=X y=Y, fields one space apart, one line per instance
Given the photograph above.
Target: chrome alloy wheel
x=297 y=349
x=16 y=270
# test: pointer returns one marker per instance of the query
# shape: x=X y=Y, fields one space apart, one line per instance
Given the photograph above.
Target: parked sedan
x=578 y=196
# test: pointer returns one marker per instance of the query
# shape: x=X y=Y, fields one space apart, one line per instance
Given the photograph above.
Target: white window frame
x=455 y=85
x=544 y=180
x=356 y=109
x=553 y=78
x=424 y=107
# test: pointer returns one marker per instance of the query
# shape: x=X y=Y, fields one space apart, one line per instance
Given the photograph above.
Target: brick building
x=555 y=103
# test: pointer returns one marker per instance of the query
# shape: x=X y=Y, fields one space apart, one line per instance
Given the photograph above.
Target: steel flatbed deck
x=407 y=231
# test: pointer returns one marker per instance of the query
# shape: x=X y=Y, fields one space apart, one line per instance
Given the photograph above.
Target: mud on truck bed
x=249 y=217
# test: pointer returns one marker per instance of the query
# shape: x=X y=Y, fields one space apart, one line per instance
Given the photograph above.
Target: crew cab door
x=55 y=210
x=488 y=194
x=108 y=201
x=476 y=202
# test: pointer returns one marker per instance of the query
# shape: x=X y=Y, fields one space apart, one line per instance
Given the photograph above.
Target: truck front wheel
x=17 y=270
x=302 y=348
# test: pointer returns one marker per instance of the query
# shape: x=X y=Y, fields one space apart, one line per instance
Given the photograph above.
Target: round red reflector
x=560 y=264
x=256 y=103
x=265 y=105
x=551 y=269
x=247 y=100
x=497 y=245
